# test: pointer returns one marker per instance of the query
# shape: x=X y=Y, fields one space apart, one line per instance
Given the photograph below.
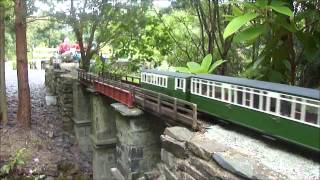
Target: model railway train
x=282 y=111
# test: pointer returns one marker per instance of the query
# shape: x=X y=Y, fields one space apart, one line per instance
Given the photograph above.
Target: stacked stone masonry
x=60 y=84
x=190 y=156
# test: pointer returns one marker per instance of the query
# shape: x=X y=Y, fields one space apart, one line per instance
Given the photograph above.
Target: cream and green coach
x=286 y=112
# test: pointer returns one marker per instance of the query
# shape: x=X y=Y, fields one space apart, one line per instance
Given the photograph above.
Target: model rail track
x=178 y=110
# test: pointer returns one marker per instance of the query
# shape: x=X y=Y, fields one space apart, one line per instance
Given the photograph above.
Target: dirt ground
x=50 y=152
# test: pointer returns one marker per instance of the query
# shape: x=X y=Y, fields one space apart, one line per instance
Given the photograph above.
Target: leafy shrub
x=205 y=67
x=17 y=159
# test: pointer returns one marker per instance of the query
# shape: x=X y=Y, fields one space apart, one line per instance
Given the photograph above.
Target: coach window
x=193 y=86
x=311 y=115
x=264 y=101
x=210 y=87
x=248 y=97
x=256 y=99
x=297 y=109
x=239 y=95
x=217 y=92
x=180 y=84
x=148 y=78
x=285 y=106
x=273 y=104
x=198 y=87
x=204 y=89
x=233 y=94
x=144 y=77
x=226 y=94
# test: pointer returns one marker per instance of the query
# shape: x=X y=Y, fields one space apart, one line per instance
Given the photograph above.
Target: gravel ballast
x=291 y=164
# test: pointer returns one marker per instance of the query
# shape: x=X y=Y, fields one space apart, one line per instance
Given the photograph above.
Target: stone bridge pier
x=82 y=116
x=103 y=137
x=138 y=142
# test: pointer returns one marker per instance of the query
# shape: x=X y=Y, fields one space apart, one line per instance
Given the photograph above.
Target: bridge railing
x=178 y=110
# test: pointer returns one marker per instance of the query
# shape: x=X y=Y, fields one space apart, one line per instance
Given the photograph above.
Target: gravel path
x=50 y=150
x=271 y=154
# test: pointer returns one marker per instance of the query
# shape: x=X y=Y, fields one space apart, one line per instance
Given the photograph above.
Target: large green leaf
x=193 y=65
x=215 y=65
x=250 y=34
x=237 y=23
x=198 y=71
x=182 y=69
x=282 y=9
x=206 y=62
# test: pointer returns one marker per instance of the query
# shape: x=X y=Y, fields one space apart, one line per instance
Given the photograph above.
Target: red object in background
x=63 y=47
x=76 y=46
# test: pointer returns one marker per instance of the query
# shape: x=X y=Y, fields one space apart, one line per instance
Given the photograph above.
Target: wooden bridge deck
x=178 y=110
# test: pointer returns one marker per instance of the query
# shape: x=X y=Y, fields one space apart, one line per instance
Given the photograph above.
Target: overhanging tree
x=86 y=18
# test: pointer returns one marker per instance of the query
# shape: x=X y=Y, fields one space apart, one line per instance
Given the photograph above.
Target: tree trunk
x=24 y=107
x=3 y=97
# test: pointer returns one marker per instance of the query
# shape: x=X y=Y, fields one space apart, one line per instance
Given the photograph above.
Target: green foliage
x=284 y=43
x=16 y=160
x=205 y=67
x=98 y=65
x=237 y=23
x=280 y=8
x=250 y=33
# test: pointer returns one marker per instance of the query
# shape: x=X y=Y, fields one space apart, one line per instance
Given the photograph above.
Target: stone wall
x=59 y=83
x=191 y=156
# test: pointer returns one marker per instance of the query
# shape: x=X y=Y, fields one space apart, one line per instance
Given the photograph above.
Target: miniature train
x=287 y=112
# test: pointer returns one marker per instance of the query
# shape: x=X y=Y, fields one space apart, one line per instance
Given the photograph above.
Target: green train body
x=286 y=112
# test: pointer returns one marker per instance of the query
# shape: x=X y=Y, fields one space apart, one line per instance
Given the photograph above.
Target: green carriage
x=286 y=112
x=165 y=82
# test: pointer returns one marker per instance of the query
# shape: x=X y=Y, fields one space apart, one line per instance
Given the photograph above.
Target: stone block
x=117 y=174
x=179 y=133
x=192 y=171
x=169 y=159
x=151 y=175
x=103 y=118
x=176 y=147
x=169 y=174
x=186 y=176
x=125 y=111
x=245 y=166
x=211 y=169
x=103 y=160
x=204 y=148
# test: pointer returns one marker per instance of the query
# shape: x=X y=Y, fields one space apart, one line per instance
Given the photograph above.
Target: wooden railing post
x=175 y=108
x=159 y=103
x=194 y=116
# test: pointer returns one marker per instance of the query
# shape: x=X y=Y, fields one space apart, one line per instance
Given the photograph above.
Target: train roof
x=286 y=89
x=167 y=73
